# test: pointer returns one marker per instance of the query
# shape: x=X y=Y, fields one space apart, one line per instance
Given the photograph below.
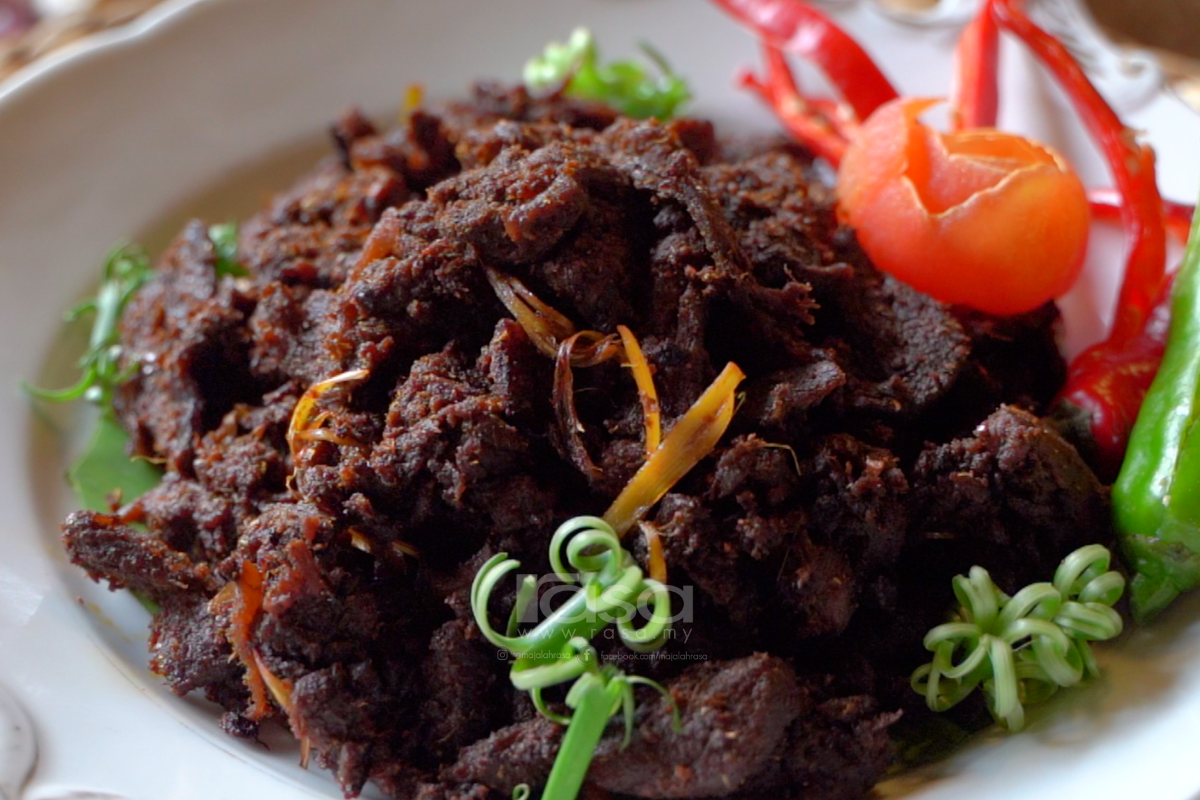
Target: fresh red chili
x=1106 y=386
x=819 y=124
x=1106 y=206
x=976 y=98
x=794 y=27
x=1132 y=165
x=1107 y=382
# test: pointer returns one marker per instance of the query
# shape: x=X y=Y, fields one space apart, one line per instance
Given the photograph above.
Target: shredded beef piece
x=442 y=791
x=838 y=748
x=1014 y=360
x=1014 y=498
x=915 y=344
x=692 y=545
x=518 y=207
x=189 y=649
x=1017 y=489
x=871 y=459
x=327 y=626
x=521 y=753
x=748 y=727
x=289 y=327
x=131 y=559
x=347 y=130
x=461 y=685
x=448 y=453
x=781 y=400
x=492 y=102
x=734 y=715
x=313 y=234
x=184 y=336
x=654 y=159
x=191 y=519
x=243 y=457
x=861 y=502
x=783 y=218
x=347 y=712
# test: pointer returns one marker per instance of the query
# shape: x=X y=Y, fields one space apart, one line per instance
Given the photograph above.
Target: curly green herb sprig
x=612 y=588
x=1022 y=649
x=625 y=85
x=125 y=270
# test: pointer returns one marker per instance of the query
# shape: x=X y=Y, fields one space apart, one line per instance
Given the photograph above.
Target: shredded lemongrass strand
x=656 y=564
x=691 y=438
x=544 y=324
x=303 y=425
x=318 y=434
x=399 y=547
x=642 y=375
x=1022 y=649
x=240 y=601
x=281 y=690
x=403 y=548
x=555 y=335
x=598 y=349
x=359 y=541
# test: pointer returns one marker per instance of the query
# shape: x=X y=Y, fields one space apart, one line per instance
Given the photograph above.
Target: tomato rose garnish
x=978 y=217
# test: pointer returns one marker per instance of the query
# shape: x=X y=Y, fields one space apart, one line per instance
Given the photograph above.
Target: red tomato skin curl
x=1012 y=240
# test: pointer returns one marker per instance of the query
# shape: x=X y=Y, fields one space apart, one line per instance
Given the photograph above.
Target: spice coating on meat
x=1015 y=485
x=316 y=571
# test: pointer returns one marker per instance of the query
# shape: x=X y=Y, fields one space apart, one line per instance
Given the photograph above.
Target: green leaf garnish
x=627 y=86
x=105 y=473
x=558 y=650
x=125 y=270
x=224 y=238
x=105 y=469
x=1022 y=649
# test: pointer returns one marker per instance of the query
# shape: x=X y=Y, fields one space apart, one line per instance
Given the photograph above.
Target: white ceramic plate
x=206 y=107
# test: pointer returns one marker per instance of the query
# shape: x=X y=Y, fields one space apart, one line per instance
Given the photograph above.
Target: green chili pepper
x=1156 y=499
